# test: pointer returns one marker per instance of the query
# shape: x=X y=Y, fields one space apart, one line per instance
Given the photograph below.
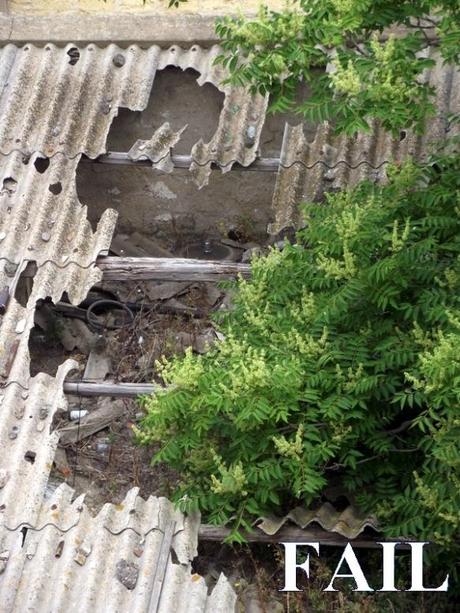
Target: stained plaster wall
x=41 y=7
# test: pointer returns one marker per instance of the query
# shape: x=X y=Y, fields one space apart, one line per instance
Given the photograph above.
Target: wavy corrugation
x=348 y=523
x=43 y=221
x=310 y=168
x=56 y=100
x=52 y=230
x=83 y=564
x=158 y=148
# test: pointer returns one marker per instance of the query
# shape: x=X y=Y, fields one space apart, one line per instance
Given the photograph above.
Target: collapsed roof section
x=42 y=221
x=57 y=104
x=58 y=100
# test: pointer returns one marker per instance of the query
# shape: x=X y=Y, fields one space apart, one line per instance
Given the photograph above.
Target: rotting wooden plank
x=294 y=534
x=163 y=269
x=169 y=269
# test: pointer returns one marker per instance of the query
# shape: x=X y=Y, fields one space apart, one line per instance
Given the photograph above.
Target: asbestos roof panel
x=85 y=566
x=56 y=100
x=329 y=162
x=52 y=230
x=158 y=148
x=49 y=227
x=27 y=445
x=348 y=523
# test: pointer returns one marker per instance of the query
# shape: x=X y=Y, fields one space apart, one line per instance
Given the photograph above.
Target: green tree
x=341 y=356
x=370 y=53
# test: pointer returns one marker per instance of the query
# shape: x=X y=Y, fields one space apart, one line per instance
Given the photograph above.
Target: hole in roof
x=174 y=557
x=74 y=55
x=55 y=188
x=271 y=138
x=9 y=186
x=47 y=338
x=41 y=164
x=176 y=98
x=161 y=212
x=30 y=456
x=24 y=531
x=59 y=549
x=402 y=135
x=25 y=283
x=118 y=60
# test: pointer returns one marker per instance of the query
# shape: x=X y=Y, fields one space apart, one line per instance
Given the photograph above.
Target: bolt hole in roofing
x=42 y=164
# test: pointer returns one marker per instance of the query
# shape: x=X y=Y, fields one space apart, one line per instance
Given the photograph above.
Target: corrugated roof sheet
x=42 y=221
x=158 y=148
x=134 y=556
x=348 y=523
x=328 y=162
x=64 y=100
x=59 y=103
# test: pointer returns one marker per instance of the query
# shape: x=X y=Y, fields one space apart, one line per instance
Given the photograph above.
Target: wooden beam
x=163 y=269
x=169 y=269
x=117 y=390
x=294 y=534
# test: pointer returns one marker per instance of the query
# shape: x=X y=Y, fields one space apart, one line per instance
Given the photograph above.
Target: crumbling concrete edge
x=123 y=29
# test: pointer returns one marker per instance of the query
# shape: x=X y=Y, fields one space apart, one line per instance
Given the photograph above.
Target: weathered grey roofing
x=348 y=523
x=59 y=103
x=43 y=221
x=56 y=100
x=158 y=148
x=134 y=556
x=308 y=168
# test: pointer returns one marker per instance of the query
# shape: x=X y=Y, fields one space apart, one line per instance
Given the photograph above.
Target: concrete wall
x=170 y=206
x=40 y=7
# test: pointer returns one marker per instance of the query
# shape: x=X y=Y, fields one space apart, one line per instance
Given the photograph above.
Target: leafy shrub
x=341 y=357
x=366 y=78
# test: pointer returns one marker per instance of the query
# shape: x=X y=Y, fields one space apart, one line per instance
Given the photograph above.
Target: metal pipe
x=184 y=161
x=118 y=390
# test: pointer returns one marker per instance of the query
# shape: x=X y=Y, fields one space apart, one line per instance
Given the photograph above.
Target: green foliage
x=365 y=79
x=341 y=357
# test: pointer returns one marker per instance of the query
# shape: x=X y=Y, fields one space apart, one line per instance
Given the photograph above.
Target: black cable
x=95 y=324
